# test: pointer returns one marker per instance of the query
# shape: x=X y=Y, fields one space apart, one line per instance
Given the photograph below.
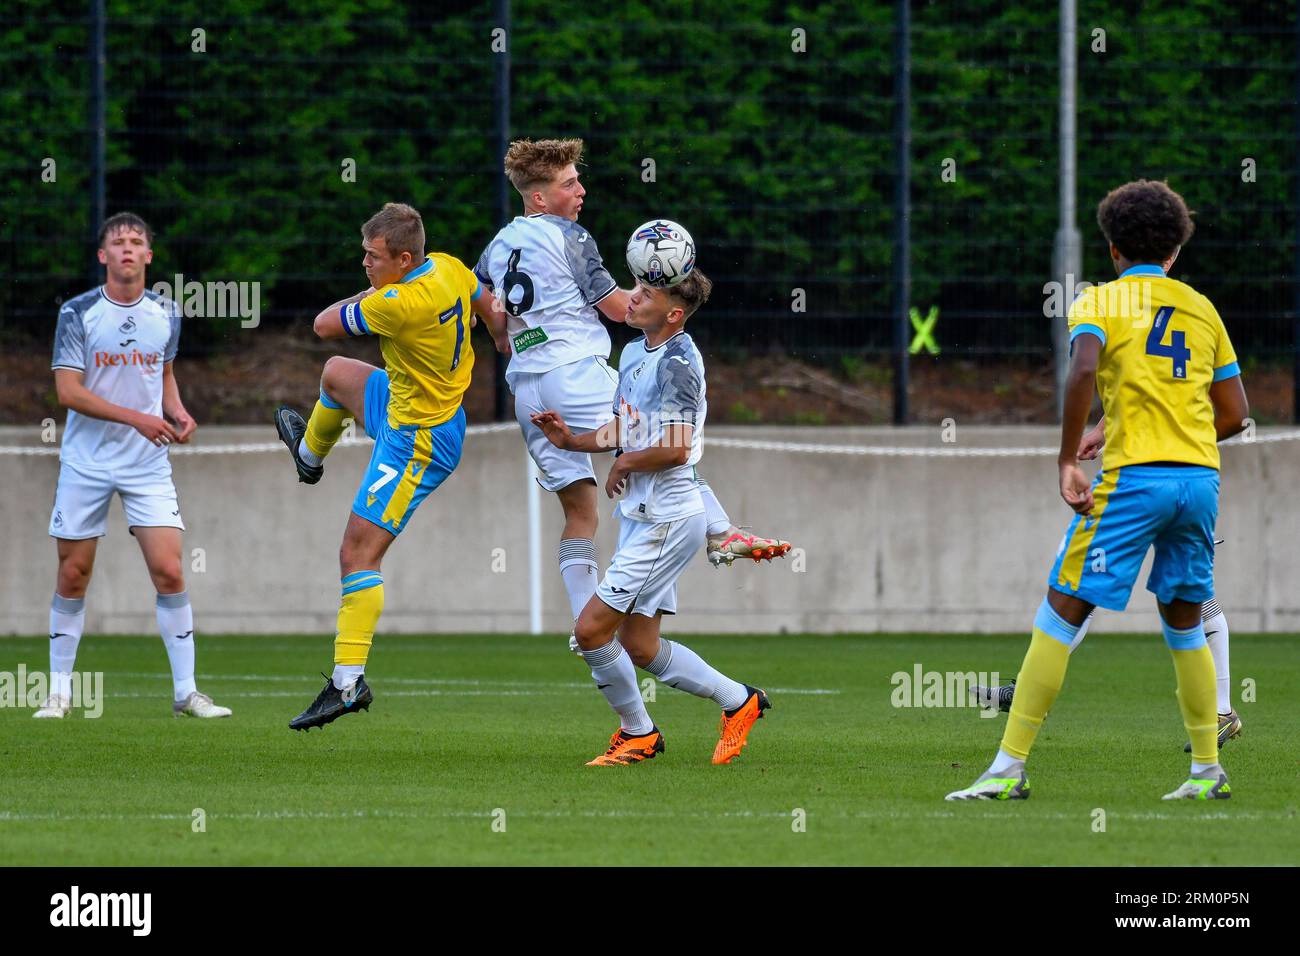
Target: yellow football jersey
x=423 y=325
x=1163 y=344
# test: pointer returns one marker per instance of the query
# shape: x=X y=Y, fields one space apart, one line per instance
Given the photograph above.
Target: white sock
x=1202 y=767
x=307 y=455
x=615 y=676
x=1003 y=762
x=578 y=568
x=176 y=625
x=345 y=675
x=67 y=619
x=1216 y=635
x=714 y=513
x=678 y=666
x=1083 y=629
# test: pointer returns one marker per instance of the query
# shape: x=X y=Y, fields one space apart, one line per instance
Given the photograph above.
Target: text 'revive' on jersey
x=121 y=349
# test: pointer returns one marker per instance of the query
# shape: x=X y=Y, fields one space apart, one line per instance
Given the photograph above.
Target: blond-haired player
x=553 y=285
x=421 y=308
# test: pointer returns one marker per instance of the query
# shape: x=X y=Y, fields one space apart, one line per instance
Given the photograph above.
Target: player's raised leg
x=342 y=392
x=67 y=621
x=725 y=542
x=637 y=738
x=161 y=547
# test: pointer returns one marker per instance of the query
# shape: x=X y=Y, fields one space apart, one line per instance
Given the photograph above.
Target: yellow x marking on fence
x=924 y=337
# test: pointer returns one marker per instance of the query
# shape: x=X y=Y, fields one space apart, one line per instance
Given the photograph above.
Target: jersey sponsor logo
x=125 y=344
x=528 y=338
x=122 y=359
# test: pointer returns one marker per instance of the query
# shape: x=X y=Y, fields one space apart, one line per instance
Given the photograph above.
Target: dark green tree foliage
x=779 y=161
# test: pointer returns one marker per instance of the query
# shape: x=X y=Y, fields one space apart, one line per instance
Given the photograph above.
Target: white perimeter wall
x=899 y=543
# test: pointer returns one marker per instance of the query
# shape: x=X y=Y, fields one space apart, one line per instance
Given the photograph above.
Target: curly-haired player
x=1158 y=353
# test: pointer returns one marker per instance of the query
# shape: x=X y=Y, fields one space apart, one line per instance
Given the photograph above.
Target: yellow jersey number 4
x=1176 y=350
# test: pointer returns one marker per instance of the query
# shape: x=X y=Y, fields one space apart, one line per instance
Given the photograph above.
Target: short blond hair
x=530 y=164
x=401 y=228
x=692 y=292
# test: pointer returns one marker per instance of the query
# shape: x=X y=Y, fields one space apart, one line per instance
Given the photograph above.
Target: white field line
x=272 y=815
x=423 y=682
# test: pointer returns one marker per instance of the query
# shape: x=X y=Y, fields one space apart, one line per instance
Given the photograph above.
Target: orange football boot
x=727 y=546
x=625 y=749
x=733 y=728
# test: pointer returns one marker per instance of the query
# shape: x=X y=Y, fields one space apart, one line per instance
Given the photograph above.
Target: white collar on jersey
x=124 y=305
x=664 y=342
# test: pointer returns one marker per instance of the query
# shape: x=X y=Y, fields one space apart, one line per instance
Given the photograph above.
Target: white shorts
x=583 y=393
x=81 y=500
x=642 y=577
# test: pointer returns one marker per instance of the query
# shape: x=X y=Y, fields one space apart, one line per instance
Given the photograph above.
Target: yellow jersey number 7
x=456 y=312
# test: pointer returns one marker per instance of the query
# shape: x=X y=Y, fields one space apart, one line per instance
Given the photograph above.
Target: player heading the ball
x=658 y=418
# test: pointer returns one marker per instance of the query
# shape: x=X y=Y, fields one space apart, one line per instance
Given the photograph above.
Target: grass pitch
x=473 y=754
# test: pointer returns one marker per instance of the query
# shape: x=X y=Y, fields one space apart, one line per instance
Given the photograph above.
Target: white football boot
x=56 y=705
x=199 y=705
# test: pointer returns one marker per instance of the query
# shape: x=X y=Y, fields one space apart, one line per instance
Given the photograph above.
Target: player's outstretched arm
x=174 y=409
x=1228 y=396
x=329 y=323
x=1080 y=383
x=558 y=433
x=673 y=449
x=614 y=305
x=489 y=308
x=69 y=385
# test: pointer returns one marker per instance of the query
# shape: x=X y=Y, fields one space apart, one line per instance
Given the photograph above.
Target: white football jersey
x=549 y=276
x=658 y=387
x=121 y=349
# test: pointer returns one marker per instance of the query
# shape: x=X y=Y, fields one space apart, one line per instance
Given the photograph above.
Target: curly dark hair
x=1146 y=220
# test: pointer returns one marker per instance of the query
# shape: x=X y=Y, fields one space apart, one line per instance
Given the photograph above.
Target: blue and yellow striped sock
x=324 y=427
x=1194 y=665
x=359 y=610
x=1040 y=679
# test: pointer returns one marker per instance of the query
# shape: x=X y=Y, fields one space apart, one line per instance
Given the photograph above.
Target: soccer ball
x=660 y=253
